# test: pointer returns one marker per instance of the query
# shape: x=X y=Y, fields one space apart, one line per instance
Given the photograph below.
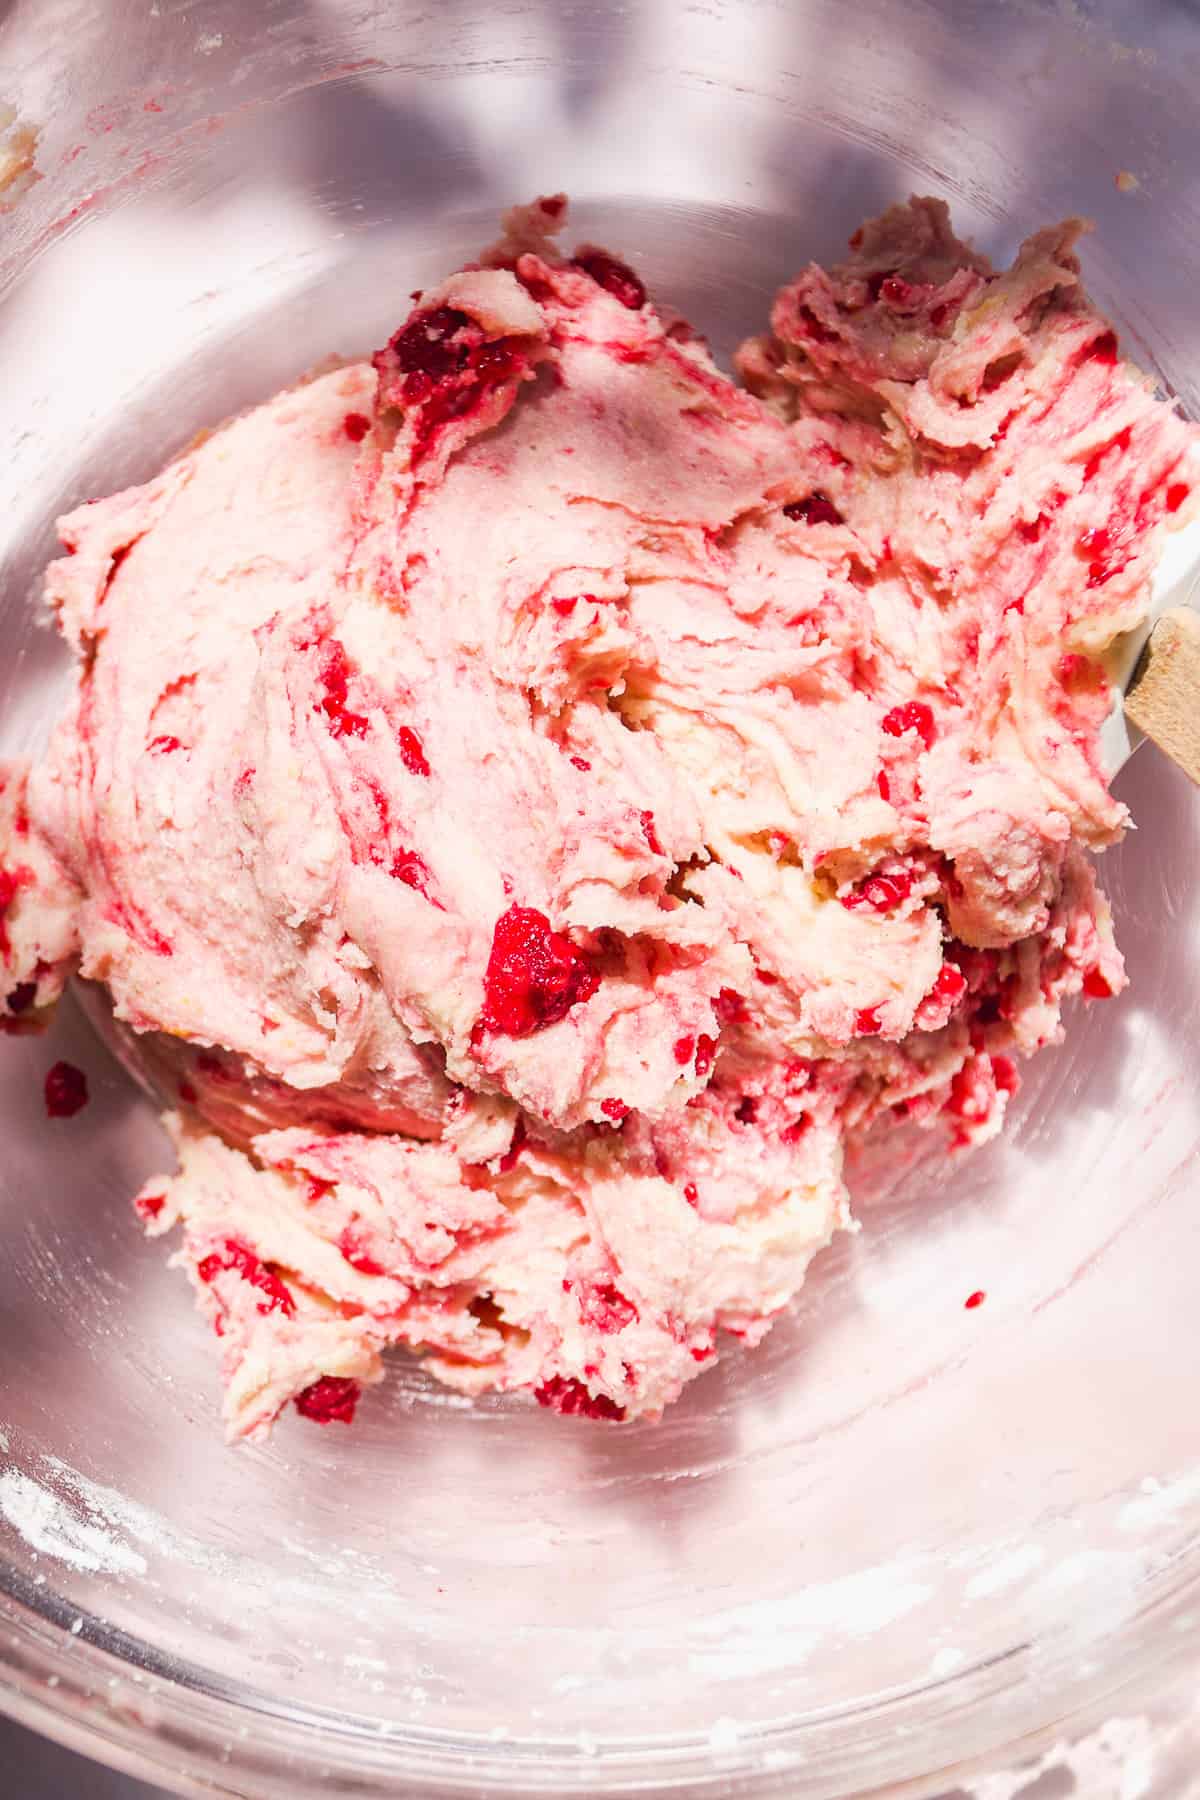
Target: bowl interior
x=901 y=1533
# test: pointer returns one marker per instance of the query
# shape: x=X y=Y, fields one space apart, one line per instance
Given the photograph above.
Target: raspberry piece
x=815 y=509
x=1176 y=494
x=974 y=1300
x=534 y=975
x=1095 y=986
x=914 y=715
x=356 y=426
x=706 y=1050
x=604 y=1307
x=614 y=1109
x=729 y=1007
x=951 y=983
x=691 y=1194
x=563 y=1394
x=66 y=1090
x=335 y=679
x=329 y=1399
x=241 y=1259
x=867 y=1022
x=614 y=276
x=684 y=1047
x=883 y=893
x=412 y=751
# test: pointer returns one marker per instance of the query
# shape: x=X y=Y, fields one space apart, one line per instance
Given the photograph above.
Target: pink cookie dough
x=533 y=802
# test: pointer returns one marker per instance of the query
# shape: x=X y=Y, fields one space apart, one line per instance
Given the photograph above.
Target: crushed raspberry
x=10 y=884
x=563 y=1394
x=691 y=1194
x=1176 y=494
x=242 y=1260
x=330 y=1399
x=951 y=983
x=1120 y=443
x=791 y=1134
x=746 y=1110
x=684 y=1047
x=148 y=1206
x=66 y=1090
x=867 y=1022
x=357 y=1257
x=423 y=349
x=706 y=1049
x=970 y=1098
x=317 y=1190
x=914 y=715
x=702 y=1352
x=651 y=835
x=1103 y=349
x=165 y=744
x=974 y=1300
x=729 y=1007
x=604 y=1307
x=564 y=607
x=614 y=1109
x=816 y=509
x=508 y=1161
x=413 y=871
x=797 y=1074
x=534 y=975
x=356 y=426
x=22 y=997
x=883 y=893
x=884 y=785
x=581 y=762
x=614 y=276
x=1004 y=1074
x=335 y=679
x=766 y=977
x=1095 y=986
x=412 y=751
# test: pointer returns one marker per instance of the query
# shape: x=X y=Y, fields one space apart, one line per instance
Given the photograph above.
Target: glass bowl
x=902 y=1539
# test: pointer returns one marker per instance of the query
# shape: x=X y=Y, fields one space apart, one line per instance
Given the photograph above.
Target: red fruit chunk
x=1004 y=1074
x=706 y=1049
x=150 y=1205
x=335 y=679
x=1103 y=349
x=1095 y=986
x=884 y=785
x=412 y=752
x=241 y=1259
x=534 y=975
x=66 y=1090
x=816 y=509
x=422 y=348
x=164 y=744
x=1177 y=493
x=729 y=1007
x=883 y=893
x=22 y=997
x=562 y=1394
x=746 y=1110
x=413 y=871
x=581 y=763
x=564 y=607
x=766 y=977
x=975 y=1299
x=691 y=1194
x=684 y=1047
x=357 y=1257
x=951 y=982
x=867 y=1023
x=605 y=1308
x=10 y=882
x=329 y=1399
x=356 y=426
x=614 y=1109
x=614 y=276
x=651 y=835
x=914 y=715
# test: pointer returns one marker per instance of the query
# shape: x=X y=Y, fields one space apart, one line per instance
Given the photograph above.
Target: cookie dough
x=533 y=800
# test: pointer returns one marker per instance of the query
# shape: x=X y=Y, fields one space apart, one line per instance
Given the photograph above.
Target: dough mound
x=533 y=801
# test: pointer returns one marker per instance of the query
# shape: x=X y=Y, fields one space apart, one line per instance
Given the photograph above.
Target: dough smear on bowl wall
x=534 y=799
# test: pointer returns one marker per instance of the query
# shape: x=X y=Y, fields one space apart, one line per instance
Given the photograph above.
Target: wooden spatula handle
x=1163 y=699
